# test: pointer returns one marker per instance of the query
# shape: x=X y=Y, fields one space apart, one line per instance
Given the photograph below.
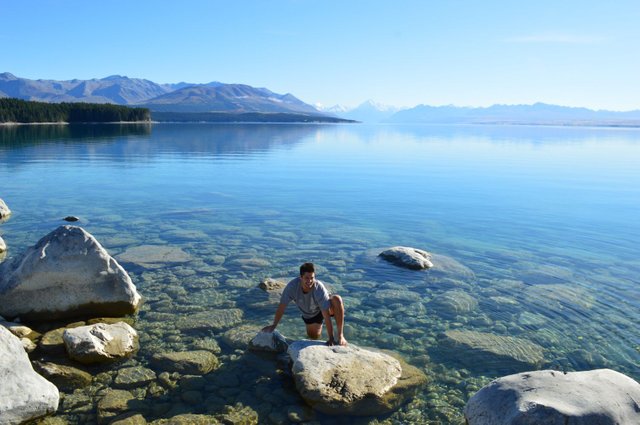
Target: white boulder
x=24 y=395
x=411 y=258
x=3 y=245
x=602 y=397
x=5 y=212
x=101 y=342
x=67 y=273
x=350 y=380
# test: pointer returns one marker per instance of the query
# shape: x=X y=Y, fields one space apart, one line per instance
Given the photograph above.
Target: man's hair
x=307 y=268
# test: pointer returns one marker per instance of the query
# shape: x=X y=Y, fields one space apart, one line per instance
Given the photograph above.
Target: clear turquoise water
x=541 y=223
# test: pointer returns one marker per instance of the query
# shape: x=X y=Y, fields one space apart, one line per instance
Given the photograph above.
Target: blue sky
x=402 y=53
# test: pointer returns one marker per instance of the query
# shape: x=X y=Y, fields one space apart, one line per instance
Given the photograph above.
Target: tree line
x=23 y=111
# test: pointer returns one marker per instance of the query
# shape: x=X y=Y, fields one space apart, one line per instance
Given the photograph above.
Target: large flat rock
x=595 y=397
x=351 y=380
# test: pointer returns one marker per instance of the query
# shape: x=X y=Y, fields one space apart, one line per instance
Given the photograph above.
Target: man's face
x=307 y=280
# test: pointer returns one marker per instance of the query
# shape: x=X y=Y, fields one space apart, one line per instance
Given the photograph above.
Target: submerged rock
x=52 y=342
x=271 y=285
x=134 y=377
x=67 y=273
x=351 y=380
x=197 y=362
x=487 y=351
x=100 y=343
x=66 y=378
x=154 y=256
x=216 y=320
x=238 y=414
x=269 y=341
x=113 y=403
x=240 y=336
x=411 y=258
x=24 y=394
x=454 y=302
x=189 y=419
x=595 y=397
x=567 y=299
x=452 y=268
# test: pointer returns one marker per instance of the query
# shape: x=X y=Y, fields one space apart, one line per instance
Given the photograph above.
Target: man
x=316 y=305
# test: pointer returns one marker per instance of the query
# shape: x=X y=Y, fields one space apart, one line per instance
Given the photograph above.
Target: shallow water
x=537 y=227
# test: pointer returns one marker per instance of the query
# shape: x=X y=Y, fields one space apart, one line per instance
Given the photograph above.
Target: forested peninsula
x=29 y=112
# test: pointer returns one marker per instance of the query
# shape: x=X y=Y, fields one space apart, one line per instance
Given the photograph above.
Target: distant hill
x=250 y=117
x=236 y=98
x=181 y=97
x=538 y=113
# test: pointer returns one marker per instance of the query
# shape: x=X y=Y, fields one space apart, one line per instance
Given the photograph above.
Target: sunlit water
x=538 y=226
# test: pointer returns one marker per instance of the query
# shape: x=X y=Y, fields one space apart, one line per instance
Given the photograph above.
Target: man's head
x=307 y=268
x=307 y=276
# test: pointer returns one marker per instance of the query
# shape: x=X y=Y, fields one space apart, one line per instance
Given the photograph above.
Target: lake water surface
x=536 y=231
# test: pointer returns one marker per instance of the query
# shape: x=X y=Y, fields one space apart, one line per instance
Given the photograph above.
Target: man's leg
x=337 y=311
x=314 y=330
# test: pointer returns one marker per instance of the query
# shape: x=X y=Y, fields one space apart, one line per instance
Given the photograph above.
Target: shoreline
x=16 y=124
x=151 y=122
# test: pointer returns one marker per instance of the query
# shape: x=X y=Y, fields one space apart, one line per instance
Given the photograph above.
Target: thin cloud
x=557 y=38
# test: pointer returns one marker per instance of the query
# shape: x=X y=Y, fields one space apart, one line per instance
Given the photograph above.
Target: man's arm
x=279 y=313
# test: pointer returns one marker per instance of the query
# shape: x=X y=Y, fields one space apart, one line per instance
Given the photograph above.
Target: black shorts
x=315 y=319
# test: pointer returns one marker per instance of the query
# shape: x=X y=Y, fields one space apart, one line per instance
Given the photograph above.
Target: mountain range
x=180 y=97
x=219 y=101
x=536 y=114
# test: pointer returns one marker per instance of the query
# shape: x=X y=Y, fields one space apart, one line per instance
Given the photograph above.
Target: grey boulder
x=596 y=397
x=350 y=380
x=272 y=342
x=100 y=343
x=67 y=273
x=24 y=395
x=411 y=258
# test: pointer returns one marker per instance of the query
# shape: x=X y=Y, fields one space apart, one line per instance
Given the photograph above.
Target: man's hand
x=337 y=341
x=269 y=328
x=340 y=340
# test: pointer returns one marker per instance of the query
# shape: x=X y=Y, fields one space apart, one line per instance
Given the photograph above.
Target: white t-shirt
x=310 y=303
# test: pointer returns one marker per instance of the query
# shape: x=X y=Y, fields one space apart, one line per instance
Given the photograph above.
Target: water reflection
x=126 y=143
x=20 y=136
